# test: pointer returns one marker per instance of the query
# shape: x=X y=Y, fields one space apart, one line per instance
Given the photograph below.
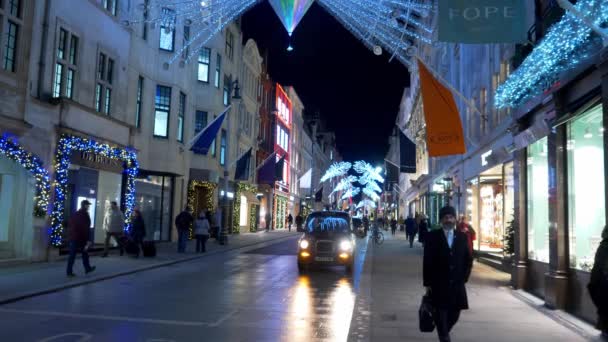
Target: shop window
x=537 y=199
x=586 y=187
x=144 y=32
x=105 y=78
x=186 y=41
x=200 y=121
x=213 y=145
x=10 y=19
x=111 y=6
x=229 y=44
x=153 y=198
x=243 y=213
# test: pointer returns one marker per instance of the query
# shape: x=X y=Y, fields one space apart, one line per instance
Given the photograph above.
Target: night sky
x=355 y=91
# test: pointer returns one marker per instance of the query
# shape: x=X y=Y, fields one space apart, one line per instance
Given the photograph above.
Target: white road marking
x=84 y=337
x=223 y=319
x=110 y=318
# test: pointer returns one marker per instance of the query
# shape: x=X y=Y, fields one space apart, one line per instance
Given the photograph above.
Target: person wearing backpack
x=201 y=232
x=183 y=221
x=598 y=284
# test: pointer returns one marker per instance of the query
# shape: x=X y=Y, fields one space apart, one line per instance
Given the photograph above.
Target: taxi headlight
x=346 y=245
x=304 y=244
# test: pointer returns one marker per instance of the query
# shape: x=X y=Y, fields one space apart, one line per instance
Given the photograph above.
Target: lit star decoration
x=336 y=170
x=568 y=43
x=13 y=151
x=389 y=24
x=290 y=12
x=65 y=147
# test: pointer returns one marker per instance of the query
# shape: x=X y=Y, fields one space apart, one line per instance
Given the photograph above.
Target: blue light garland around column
x=66 y=146
x=13 y=151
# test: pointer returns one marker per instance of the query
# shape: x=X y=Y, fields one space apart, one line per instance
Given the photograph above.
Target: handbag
x=425 y=314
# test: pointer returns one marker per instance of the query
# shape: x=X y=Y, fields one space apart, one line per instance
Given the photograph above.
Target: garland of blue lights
x=567 y=44
x=66 y=146
x=13 y=151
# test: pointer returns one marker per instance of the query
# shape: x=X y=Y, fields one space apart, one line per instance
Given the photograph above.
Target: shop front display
x=154 y=198
x=280 y=211
x=586 y=205
x=537 y=198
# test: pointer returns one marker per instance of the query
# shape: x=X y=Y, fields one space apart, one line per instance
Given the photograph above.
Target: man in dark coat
x=289 y=221
x=78 y=238
x=598 y=284
x=299 y=222
x=183 y=222
x=411 y=228
x=446 y=268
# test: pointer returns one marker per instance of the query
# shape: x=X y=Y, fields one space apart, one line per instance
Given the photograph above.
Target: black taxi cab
x=327 y=240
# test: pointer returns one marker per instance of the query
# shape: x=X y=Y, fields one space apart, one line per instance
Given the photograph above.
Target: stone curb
x=62 y=287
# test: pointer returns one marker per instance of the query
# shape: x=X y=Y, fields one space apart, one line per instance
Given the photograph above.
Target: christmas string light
x=567 y=44
x=65 y=147
x=13 y=151
x=344 y=184
x=368 y=172
x=240 y=188
x=192 y=199
x=371 y=194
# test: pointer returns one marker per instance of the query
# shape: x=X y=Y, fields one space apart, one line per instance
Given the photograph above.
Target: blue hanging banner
x=202 y=141
x=483 y=21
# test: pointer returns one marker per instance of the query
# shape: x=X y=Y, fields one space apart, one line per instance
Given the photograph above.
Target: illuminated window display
x=585 y=187
x=538 y=201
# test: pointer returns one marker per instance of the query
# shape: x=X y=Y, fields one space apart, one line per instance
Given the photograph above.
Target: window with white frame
x=111 y=6
x=140 y=89
x=104 y=83
x=161 y=111
x=229 y=44
x=223 y=142
x=180 y=117
x=167 y=30
x=11 y=21
x=66 y=64
x=204 y=59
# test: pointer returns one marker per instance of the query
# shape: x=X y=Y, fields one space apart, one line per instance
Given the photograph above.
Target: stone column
x=520 y=257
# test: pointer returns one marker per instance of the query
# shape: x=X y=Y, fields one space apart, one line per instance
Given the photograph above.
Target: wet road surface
x=253 y=294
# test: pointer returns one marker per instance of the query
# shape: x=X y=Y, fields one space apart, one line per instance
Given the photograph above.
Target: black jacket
x=138 y=228
x=183 y=221
x=599 y=279
x=446 y=270
x=410 y=226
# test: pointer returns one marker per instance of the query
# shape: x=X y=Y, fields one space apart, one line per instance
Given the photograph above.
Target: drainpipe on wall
x=41 y=63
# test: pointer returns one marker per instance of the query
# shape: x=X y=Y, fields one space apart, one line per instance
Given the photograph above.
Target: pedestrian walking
x=299 y=222
x=268 y=221
x=113 y=225
x=411 y=229
x=78 y=238
x=423 y=228
x=599 y=283
x=468 y=230
x=289 y=221
x=183 y=221
x=138 y=230
x=393 y=226
x=202 y=232
x=447 y=265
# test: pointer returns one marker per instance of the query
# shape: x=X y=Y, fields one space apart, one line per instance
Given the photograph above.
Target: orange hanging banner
x=444 y=134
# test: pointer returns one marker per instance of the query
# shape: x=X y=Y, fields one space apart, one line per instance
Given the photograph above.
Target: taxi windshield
x=333 y=224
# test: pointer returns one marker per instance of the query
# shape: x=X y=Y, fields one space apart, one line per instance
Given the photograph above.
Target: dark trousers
x=411 y=238
x=76 y=247
x=393 y=230
x=182 y=240
x=116 y=237
x=445 y=319
x=201 y=241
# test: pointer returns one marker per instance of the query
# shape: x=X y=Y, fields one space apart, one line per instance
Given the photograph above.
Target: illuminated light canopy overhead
x=393 y=25
x=368 y=173
x=567 y=44
x=345 y=183
x=290 y=12
x=366 y=203
x=352 y=192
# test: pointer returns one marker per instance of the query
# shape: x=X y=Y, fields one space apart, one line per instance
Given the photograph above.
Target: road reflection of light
x=302 y=311
x=343 y=303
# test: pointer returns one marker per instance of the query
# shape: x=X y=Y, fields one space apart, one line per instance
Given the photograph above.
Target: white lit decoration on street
x=366 y=203
x=345 y=183
x=568 y=43
x=352 y=192
x=336 y=170
x=368 y=173
x=392 y=26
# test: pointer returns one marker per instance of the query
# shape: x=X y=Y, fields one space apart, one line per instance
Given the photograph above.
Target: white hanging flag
x=306 y=180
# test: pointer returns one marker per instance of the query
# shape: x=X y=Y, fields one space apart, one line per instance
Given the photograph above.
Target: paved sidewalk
x=26 y=281
x=391 y=289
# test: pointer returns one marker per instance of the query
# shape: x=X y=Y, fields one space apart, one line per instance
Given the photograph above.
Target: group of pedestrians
x=79 y=239
x=203 y=226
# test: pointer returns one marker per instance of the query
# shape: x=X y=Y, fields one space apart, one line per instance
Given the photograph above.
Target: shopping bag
x=425 y=314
